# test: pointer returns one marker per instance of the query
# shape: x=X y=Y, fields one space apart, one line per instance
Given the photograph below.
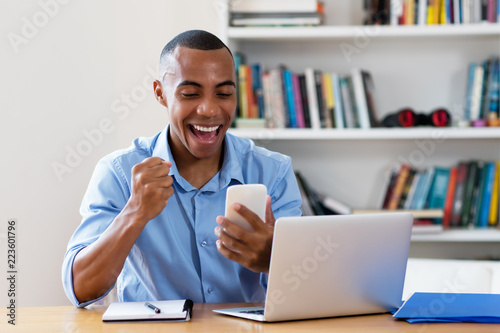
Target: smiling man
x=152 y=215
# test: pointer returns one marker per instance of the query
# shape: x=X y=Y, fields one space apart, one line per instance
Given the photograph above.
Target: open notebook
x=173 y=310
x=326 y=266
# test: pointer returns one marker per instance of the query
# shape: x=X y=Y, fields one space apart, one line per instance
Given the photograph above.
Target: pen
x=152 y=307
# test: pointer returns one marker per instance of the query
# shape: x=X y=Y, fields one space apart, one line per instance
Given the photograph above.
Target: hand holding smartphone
x=252 y=196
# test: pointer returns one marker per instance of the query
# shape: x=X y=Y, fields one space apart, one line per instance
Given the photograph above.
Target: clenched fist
x=151 y=188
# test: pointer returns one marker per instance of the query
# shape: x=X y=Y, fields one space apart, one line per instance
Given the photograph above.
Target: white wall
x=65 y=70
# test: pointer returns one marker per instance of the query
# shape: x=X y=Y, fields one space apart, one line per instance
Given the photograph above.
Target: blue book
x=257 y=88
x=337 y=98
x=484 y=211
x=450 y=308
x=439 y=188
x=470 y=86
x=426 y=185
x=290 y=100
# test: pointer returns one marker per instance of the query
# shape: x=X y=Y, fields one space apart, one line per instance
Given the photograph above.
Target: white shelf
x=458 y=235
x=370 y=134
x=339 y=32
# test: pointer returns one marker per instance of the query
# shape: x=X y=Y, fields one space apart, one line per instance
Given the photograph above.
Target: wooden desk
x=69 y=319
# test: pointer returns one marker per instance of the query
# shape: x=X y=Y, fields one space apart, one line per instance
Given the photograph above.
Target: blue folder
x=450 y=308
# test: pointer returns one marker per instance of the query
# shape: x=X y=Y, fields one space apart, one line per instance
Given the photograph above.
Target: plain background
x=76 y=81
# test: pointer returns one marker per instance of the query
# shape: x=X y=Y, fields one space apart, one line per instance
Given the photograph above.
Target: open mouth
x=205 y=133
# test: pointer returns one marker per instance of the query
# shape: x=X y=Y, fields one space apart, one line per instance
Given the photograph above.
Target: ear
x=158 y=90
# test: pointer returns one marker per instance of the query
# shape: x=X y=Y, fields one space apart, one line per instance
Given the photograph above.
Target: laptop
x=335 y=265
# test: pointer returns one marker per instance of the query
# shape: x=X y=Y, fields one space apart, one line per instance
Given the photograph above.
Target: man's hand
x=151 y=188
x=251 y=249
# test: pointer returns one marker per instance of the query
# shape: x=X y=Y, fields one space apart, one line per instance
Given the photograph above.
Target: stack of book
x=468 y=193
x=429 y=12
x=276 y=13
x=482 y=96
x=314 y=99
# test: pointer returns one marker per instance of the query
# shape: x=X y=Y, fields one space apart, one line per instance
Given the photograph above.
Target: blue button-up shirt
x=175 y=257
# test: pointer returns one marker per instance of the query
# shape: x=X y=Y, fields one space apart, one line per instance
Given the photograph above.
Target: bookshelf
x=422 y=67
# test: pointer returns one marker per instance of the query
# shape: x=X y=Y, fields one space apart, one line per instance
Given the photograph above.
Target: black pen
x=152 y=307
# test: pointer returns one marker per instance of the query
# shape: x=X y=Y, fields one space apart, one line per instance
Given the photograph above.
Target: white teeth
x=205 y=129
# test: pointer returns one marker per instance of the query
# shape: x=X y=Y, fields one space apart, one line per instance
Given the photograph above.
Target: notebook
x=172 y=310
x=336 y=265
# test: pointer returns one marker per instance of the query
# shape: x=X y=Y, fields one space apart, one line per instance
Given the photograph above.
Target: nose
x=208 y=107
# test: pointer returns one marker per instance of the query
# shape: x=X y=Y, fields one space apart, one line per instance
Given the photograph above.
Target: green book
x=468 y=193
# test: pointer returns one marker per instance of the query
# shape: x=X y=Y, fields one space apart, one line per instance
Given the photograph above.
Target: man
x=152 y=213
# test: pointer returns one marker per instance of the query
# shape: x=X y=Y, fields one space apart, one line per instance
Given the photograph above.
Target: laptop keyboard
x=260 y=312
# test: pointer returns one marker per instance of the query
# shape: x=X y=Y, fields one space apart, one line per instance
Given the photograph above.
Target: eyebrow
x=196 y=84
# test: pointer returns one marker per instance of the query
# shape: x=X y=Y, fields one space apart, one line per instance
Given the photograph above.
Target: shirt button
x=209 y=290
x=204 y=243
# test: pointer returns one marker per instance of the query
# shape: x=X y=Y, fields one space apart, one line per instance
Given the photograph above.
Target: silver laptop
x=339 y=265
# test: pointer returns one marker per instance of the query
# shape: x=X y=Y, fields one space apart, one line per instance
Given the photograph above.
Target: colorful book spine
x=487 y=194
x=468 y=193
x=450 y=193
x=287 y=76
x=337 y=96
x=493 y=217
x=399 y=186
x=297 y=95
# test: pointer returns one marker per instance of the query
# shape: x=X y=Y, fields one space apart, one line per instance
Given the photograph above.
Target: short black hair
x=192 y=39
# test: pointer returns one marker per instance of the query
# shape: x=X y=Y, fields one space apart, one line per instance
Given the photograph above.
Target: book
x=360 y=98
x=275 y=6
x=297 y=99
x=346 y=100
x=318 y=81
x=459 y=193
x=477 y=93
x=413 y=188
x=450 y=194
x=310 y=195
x=470 y=182
x=172 y=310
x=290 y=101
x=439 y=188
x=306 y=207
x=390 y=180
x=268 y=106
x=407 y=188
x=276 y=19
x=329 y=103
x=257 y=89
x=334 y=206
x=399 y=185
x=278 y=109
x=337 y=98
x=312 y=98
x=305 y=100
x=493 y=217
x=477 y=195
x=243 y=91
x=423 y=192
x=370 y=98
x=484 y=210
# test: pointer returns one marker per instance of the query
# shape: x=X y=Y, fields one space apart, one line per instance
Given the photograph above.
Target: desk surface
x=69 y=319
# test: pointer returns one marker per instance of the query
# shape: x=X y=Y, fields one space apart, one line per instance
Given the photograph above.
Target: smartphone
x=252 y=196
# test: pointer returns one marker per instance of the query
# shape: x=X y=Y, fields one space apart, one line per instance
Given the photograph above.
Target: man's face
x=200 y=94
